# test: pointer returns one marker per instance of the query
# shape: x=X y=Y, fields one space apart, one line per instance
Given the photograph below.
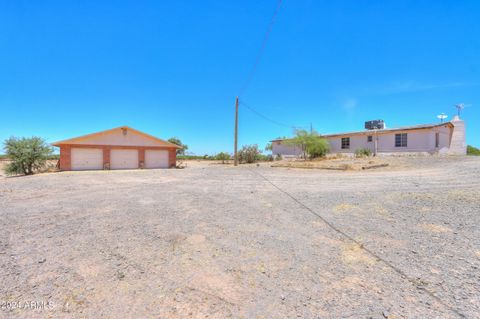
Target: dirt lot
x=246 y=242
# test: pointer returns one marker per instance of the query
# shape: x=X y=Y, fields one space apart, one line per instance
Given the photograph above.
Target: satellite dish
x=442 y=116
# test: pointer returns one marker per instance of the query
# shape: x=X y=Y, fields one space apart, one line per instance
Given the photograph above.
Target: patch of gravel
x=225 y=242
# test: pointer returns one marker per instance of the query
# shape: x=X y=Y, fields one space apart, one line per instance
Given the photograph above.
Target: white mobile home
x=440 y=138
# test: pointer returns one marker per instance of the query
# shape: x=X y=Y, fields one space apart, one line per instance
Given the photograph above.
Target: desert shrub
x=278 y=157
x=189 y=157
x=195 y=157
x=249 y=154
x=363 y=152
x=222 y=156
x=265 y=158
x=317 y=147
x=473 y=150
x=27 y=155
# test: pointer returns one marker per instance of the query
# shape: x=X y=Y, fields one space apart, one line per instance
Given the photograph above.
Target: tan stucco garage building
x=119 y=148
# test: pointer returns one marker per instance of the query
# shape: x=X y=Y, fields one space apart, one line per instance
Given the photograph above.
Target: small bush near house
x=28 y=155
x=249 y=154
x=318 y=147
x=278 y=157
x=222 y=156
x=473 y=150
x=363 y=152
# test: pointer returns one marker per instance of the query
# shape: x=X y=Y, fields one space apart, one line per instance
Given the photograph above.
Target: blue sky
x=173 y=68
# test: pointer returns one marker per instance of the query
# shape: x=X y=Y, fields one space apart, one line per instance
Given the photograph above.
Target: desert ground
x=252 y=241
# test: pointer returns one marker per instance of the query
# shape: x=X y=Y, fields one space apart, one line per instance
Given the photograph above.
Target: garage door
x=123 y=159
x=156 y=159
x=86 y=158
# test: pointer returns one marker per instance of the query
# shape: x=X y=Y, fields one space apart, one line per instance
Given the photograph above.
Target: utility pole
x=235 y=155
x=311 y=128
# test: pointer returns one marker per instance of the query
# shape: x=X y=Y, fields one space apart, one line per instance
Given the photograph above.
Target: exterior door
x=156 y=159
x=123 y=159
x=86 y=159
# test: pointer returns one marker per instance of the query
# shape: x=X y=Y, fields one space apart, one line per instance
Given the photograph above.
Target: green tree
x=268 y=147
x=177 y=141
x=299 y=140
x=222 y=156
x=27 y=155
x=473 y=150
x=311 y=144
x=249 y=154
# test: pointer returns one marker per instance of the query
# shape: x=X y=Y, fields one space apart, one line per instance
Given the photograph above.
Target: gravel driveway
x=246 y=242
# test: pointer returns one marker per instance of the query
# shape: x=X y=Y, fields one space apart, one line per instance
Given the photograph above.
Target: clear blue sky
x=173 y=68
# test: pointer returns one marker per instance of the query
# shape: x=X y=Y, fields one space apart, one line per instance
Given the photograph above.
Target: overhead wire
x=261 y=50
x=254 y=68
x=267 y=118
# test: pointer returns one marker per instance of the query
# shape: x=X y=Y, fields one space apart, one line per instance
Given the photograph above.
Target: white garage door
x=156 y=159
x=123 y=159
x=86 y=158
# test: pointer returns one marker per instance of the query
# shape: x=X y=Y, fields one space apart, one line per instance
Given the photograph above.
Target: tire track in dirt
x=361 y=246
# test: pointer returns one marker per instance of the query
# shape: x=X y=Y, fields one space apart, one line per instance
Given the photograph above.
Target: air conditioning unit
x=375 y=125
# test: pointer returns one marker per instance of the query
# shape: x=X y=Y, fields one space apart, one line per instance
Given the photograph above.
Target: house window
x=369 y=138
x=437 y=139
x=401 y=140
x=345 y=143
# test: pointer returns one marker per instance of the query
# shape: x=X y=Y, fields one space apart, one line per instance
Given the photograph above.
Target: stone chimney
x=458 y=143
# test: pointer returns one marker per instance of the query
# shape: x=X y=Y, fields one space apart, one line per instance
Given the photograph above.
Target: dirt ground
x=217 y=241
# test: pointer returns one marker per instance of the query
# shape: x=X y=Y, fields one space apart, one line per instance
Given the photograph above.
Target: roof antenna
x=442 y=116
x=460 y=107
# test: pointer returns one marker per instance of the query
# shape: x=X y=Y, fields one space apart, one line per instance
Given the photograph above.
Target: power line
x=268 y=118
x=261 y=51
x=250 y=77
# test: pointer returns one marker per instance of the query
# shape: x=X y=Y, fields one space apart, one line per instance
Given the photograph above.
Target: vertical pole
x=311 y=128
x=235 y=155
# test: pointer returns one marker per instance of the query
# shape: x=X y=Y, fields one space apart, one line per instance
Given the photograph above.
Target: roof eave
x=367 y=132
x=72 y=140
